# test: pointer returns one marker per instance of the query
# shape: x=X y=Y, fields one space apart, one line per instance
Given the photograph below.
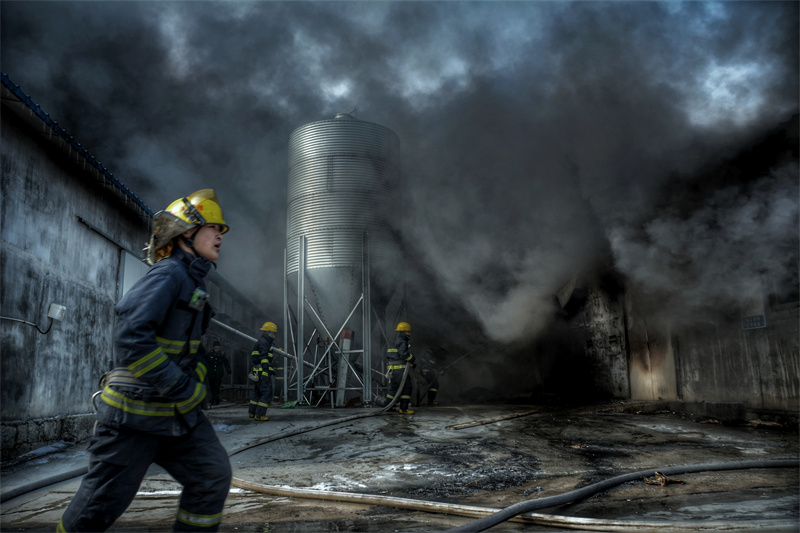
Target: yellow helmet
x=403 y=326
x=269 y=326
x=199 y=208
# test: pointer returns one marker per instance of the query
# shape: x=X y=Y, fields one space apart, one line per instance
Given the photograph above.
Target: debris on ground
x=661 y=479
x=765 y=424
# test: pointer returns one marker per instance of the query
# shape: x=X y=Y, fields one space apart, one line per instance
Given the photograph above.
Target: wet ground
x=479 y=456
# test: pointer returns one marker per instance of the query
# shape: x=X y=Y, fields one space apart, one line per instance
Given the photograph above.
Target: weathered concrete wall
x=718 y=362
x=651 y=362
x=597 y=331
x=628 y=353
x=49 y=256
x=64 y=228
x=758 y=368
x=605 y=347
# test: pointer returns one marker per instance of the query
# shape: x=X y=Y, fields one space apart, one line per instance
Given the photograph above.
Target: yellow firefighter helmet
x=199 y=208
x=403 y=326
x=269 y=326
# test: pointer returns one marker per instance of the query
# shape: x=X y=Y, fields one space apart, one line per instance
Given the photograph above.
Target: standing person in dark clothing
x=150 y=409
x=397 y=359
x=432 y=371
x=432 y=377
x=262 y=372
x=218 y=367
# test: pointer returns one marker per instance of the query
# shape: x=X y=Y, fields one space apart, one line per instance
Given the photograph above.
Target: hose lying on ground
x=30 y=487
x=584 y=492
x=77 y=472
x=490 y=516
x=323 y=424
x=529 y=518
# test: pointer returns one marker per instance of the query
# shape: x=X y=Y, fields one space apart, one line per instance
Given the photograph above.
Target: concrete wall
x=64 y=232
x=622 y=351
x=718 y=362
x=651 y=362
x=758 y=368
x=50 y=256
x=598 y=331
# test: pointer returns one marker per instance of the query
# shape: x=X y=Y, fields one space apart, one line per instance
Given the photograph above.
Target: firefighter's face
x=208 y=241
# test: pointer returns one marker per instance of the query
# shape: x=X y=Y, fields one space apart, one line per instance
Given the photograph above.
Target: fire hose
x=584 y=492
x=487 y=516
x=491 y=517
x=318 y=426
x=77 y=472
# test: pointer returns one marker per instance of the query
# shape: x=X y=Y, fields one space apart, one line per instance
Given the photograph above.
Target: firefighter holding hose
x=261 y=372
x=397 y=359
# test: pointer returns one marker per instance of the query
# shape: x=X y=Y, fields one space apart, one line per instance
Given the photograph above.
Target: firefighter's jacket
x=401 y=353
x=157 y=386
x=261 y=356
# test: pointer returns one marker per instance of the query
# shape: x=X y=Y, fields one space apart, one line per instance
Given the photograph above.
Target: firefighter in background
x=398 y=357
x=150 y=407
x=431 y=371
x=218 y=367
x=261 y=372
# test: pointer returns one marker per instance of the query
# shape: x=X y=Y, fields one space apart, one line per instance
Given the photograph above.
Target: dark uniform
x=150 y=409
x=397 y=359
x=261 y=365
x=218 y=366
x=431 y=375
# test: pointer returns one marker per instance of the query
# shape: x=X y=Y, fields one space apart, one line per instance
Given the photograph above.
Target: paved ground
x=435 y=456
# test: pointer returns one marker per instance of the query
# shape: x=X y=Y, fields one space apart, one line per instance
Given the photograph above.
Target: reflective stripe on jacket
x=401 y=351
x=261 y=356
x=154 y=346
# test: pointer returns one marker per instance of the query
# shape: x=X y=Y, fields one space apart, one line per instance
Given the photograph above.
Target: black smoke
x=539 y=139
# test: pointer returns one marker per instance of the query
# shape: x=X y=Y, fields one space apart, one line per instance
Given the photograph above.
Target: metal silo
x=342 y=196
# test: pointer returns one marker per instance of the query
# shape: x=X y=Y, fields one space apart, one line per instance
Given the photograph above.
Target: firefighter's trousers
x=398 y=368
x=214 y=384
x=261 y=396
x=118 y=461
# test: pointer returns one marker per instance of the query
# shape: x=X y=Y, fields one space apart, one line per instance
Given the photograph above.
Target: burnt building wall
x=597 y=332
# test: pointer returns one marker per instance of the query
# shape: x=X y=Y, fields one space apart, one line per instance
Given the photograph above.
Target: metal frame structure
x=321 y=361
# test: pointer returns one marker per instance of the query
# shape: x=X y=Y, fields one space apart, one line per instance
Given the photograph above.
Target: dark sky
x=538 y=138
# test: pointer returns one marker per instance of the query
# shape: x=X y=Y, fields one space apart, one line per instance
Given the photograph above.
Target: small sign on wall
x=754 y=322
x=752 y=309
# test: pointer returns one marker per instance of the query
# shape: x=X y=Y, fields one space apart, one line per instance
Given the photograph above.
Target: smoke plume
x=538 y=138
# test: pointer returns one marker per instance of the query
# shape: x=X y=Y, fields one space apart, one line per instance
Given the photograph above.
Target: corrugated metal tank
x=343 y=182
